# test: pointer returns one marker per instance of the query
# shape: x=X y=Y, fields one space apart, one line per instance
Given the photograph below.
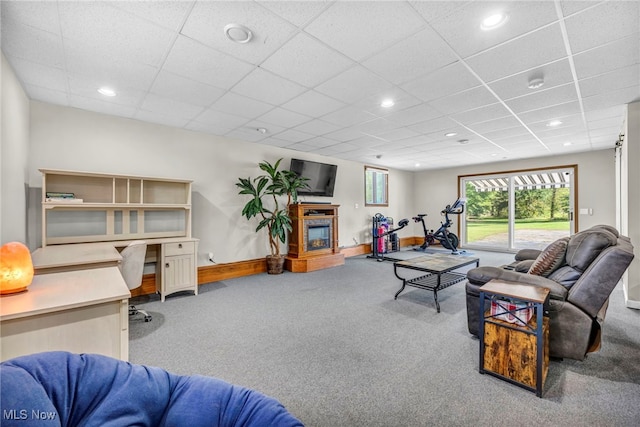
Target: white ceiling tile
x=348 y=116
x=508 y=122
x=608 y=21
x=440 y=124
x=25 y=42
x=111 y=31
x=346 y=134
x=401 y=99
x=485 y=113
x=433 y=11
x=267 y=87
x=42 y=15
x=298 y=13
x=100 y=106
x=306 y=61
x=551 y=113
x=412 y=115
x=85 y=87
x=619 y=54
x=506 y=133
x=167 y=78
x=618 y=79
x=399 y=63
x=319 y=142
x=445 y=81
x=317 y=127
x=245 y=134
x=275 y=142
x=193 y=60
x=170 y=107
x=40 y=75
x=467 y=100
x=528 y=52
x=285 y=118
x=353 y=85
x=107 y=70
x=292 y=135
x=251 y=128
x=220 y=120
x=185 y=90
x=462 y=29
x=359 y=29
x=161 y=117
x=168 y=14
x=554 y=74
x=208 y=19
x=612 y=98
x=47 y=95
x=313 y=104
x=242 y=106
x=543 y=98
x=398 y=134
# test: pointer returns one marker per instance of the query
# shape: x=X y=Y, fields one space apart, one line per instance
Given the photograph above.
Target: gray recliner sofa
x=580 y=271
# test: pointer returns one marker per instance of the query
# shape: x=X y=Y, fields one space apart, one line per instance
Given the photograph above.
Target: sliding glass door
x=516 y=210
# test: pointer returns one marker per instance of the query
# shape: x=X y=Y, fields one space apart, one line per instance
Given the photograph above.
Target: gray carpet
x=337 y=350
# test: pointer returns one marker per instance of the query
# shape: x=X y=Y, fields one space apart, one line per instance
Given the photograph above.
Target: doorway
x=509 y=211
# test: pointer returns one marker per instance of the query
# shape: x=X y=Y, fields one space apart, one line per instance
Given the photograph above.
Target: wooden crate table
x=512 y=347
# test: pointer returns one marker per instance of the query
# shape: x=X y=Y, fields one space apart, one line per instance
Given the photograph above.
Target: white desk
x=83 y=311
x=80 y=256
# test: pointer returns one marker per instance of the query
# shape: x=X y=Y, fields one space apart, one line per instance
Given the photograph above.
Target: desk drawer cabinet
x=182 y=248
x=178 y=269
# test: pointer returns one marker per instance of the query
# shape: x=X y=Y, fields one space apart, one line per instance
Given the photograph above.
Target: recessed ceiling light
x=494 y=21
x=568 y=143
x=262 y=130
x=387 y=103
x=553 y=123
x=417 y=165
x=238 y=33
x=107 y=91
x=463 y=141
x=536 y=83
x=450 y=134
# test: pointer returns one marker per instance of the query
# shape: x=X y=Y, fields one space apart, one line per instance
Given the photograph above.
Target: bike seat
x=419 y=217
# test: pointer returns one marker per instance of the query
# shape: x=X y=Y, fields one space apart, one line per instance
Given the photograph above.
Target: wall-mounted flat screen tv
x=322 y=177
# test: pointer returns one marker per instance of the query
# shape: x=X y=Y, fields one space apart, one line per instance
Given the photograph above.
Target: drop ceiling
x=314 y=74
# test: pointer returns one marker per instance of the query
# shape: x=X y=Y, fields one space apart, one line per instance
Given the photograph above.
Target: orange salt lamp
x=16 y=268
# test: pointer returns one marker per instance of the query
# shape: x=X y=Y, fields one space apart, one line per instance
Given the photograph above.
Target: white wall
x=68 y=138
x=14 y=149
x=630 y=200
x=596 y=183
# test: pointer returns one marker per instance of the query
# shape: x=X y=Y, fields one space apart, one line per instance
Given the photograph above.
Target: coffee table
x=440 y=272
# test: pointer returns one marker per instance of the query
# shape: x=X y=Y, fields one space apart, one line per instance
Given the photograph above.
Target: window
x=376 y=183
x=518 y=209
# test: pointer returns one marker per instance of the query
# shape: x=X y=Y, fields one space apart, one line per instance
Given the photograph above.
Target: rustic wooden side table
x=513 y=347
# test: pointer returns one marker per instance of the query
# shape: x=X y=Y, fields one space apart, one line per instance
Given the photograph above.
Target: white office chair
x=131 y=268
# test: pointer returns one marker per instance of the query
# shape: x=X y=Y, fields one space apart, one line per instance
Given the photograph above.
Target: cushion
x=552 y=257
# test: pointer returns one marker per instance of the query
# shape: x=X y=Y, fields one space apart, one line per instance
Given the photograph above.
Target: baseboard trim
x=232 y=270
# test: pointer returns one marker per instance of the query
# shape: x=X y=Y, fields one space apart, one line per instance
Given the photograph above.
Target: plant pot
x=275 y=264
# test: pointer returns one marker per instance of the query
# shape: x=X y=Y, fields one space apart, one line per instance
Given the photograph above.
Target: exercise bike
x=442 y=235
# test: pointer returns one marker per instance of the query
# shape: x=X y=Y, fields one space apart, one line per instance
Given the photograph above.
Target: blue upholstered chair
x=70 y=390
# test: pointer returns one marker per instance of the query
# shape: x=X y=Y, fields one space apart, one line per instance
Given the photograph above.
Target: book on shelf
x=59 y=195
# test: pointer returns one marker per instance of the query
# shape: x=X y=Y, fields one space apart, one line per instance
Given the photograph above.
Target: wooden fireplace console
x=313 y=242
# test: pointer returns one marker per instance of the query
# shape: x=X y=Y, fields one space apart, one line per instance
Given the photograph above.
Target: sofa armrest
x=526 y=254
x=481 y=275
